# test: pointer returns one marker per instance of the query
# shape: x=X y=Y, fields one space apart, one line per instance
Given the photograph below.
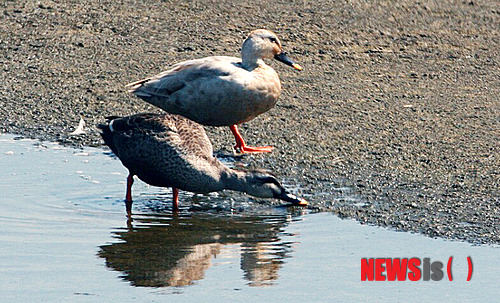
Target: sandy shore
x=398 y=104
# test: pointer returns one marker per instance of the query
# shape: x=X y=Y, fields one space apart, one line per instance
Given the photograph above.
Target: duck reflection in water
x=160 y=251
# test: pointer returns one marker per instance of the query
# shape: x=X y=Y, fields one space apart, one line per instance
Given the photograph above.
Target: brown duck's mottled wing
x=177 y=131
x=118 y=129
x=193 y=138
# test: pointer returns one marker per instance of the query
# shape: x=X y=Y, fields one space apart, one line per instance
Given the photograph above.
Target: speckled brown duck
x=172 y=151
x=219 y=90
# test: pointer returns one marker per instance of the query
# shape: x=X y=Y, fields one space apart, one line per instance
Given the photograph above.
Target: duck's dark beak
x=285 y=196
x=282 y=57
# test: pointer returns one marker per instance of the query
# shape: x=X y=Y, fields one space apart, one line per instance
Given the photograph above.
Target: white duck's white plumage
x=220 y=90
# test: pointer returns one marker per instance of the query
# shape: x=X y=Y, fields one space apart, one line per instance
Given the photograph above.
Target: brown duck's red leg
x=175 y=201
x=130 y=181
x=128 y=197
x=128 y=207
x=243 y=148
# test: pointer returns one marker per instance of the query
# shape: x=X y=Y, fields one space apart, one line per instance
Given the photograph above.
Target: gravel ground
x=394 y=121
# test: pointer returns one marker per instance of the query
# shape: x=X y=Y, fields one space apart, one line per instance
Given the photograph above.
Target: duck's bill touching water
x=287 y=197
x=259 y=184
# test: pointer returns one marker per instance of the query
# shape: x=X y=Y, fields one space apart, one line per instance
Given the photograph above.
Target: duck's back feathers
x=164 y=150
x=174 y=130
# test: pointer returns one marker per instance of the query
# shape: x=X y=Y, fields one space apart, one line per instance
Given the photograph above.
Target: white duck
x=219 y=90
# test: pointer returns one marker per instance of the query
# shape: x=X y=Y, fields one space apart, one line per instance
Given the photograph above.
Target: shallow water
x=64 y=237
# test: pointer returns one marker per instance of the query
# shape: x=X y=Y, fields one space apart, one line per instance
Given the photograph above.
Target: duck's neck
x=250 y=56
x=251 y=63
x=234 y=180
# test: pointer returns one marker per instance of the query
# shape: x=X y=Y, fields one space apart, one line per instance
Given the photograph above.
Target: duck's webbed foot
x=242 y=148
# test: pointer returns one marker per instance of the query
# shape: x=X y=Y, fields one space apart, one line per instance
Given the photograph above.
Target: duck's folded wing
x=182 y=74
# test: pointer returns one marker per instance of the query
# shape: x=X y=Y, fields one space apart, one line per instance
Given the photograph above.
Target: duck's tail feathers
x=107 y=132
x=132 y=87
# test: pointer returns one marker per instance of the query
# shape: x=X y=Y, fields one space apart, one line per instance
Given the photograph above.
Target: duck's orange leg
x=175 y=200
x=241 y=147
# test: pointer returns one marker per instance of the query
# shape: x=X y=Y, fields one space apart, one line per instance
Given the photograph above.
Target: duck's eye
x=273 y=40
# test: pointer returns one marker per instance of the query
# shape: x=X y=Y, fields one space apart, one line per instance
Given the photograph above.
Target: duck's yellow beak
x=285 y=196
x=282 y=57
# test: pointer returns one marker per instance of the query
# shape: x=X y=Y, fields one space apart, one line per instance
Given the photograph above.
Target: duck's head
x=264 y=185
x=264 y=44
